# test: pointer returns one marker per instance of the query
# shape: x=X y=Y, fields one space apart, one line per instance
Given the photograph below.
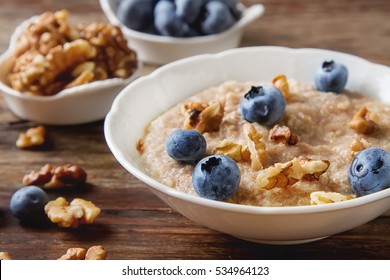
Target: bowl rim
x=249 y=209
x=83 y=89
x=248 y=14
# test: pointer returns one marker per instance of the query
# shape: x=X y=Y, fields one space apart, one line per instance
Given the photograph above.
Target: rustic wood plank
x=134 y=223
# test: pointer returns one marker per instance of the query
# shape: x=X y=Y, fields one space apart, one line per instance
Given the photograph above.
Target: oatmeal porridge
x=317 y=130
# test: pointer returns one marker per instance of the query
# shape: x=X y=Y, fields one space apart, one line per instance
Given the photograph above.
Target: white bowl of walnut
x=61 y=74
x=174 y=83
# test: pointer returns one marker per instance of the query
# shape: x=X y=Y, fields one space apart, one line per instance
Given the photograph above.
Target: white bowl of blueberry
x=162 y=31
x=265 y=157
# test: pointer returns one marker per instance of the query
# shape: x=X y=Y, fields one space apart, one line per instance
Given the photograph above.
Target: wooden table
x=134 y=223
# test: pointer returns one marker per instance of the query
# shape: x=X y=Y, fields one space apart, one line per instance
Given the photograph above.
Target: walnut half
x=361 y=122
x=280 y=82
x=258 y=153
x=50 y=177
x=283 y=134
x=5 y=256
x=320 y=197
x=233 y=150
x=203 y=118
x=78 y=212
x=33 y=137
x=93 y=253
x=281 y=175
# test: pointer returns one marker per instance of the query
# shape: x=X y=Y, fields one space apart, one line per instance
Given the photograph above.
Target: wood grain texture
x=134 y=223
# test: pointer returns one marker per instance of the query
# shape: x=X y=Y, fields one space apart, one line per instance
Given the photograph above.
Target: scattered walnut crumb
x=362 y=124
x=49 y=177
x=78 y=212
x=281 y=175
x=5 y=256
x=33 y=137
x=283 y=134
x=258 y=153
x=93 y=253
x=140 y=146
x=358 y=144
x=203 y=118
x=320 y=197
x=280 y=82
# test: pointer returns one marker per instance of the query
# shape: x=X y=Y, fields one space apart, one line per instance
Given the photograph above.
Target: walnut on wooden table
x=51 y=177
x=73 y=214
x=93 y=253
x=5 y=256
x=33 y=137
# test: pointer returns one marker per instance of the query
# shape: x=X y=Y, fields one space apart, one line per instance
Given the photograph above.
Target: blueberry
x=186 y=145
x=28 y=203
x=167 y=22
x=331 y=77
x=264 y=105
x=136 y=14
x=217 y=18
x=370 y=171
x=188 y=10
x=231 y=4
x=216 y=177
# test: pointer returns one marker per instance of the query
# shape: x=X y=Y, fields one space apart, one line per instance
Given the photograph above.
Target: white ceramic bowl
x=80 y=104
x=156 y=49
x=149 y=96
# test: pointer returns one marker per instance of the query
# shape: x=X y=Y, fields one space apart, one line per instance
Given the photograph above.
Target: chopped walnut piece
x=50 y=177
x=321 y=197
x=258 y=154
x=358 y=145
x=140 y=146
x=52 y=55
x=74 y=254
x=96 y=253
x=4 y=256
x=280 y=82
x=362 y=124
x=233 y=150
x=33 y=137
x=283 y=134
x=78 y=212
x=203 y=118
x=281 y=175
x=93 y=253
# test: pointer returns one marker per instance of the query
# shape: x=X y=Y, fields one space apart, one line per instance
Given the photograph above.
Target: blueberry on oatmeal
x=264 y=105
x=370 y=171
x=186 y=145
x=216 y=177
x=331 y=77
x=27 y=204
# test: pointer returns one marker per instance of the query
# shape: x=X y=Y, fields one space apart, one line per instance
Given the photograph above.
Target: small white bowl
x=155 y=49
x=77 y=105
x=132 y=112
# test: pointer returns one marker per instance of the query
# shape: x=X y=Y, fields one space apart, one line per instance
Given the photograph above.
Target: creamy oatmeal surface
x=319 y=119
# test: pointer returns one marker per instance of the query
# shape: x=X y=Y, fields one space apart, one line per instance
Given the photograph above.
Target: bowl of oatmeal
x=62 y=74
x=318 y=141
